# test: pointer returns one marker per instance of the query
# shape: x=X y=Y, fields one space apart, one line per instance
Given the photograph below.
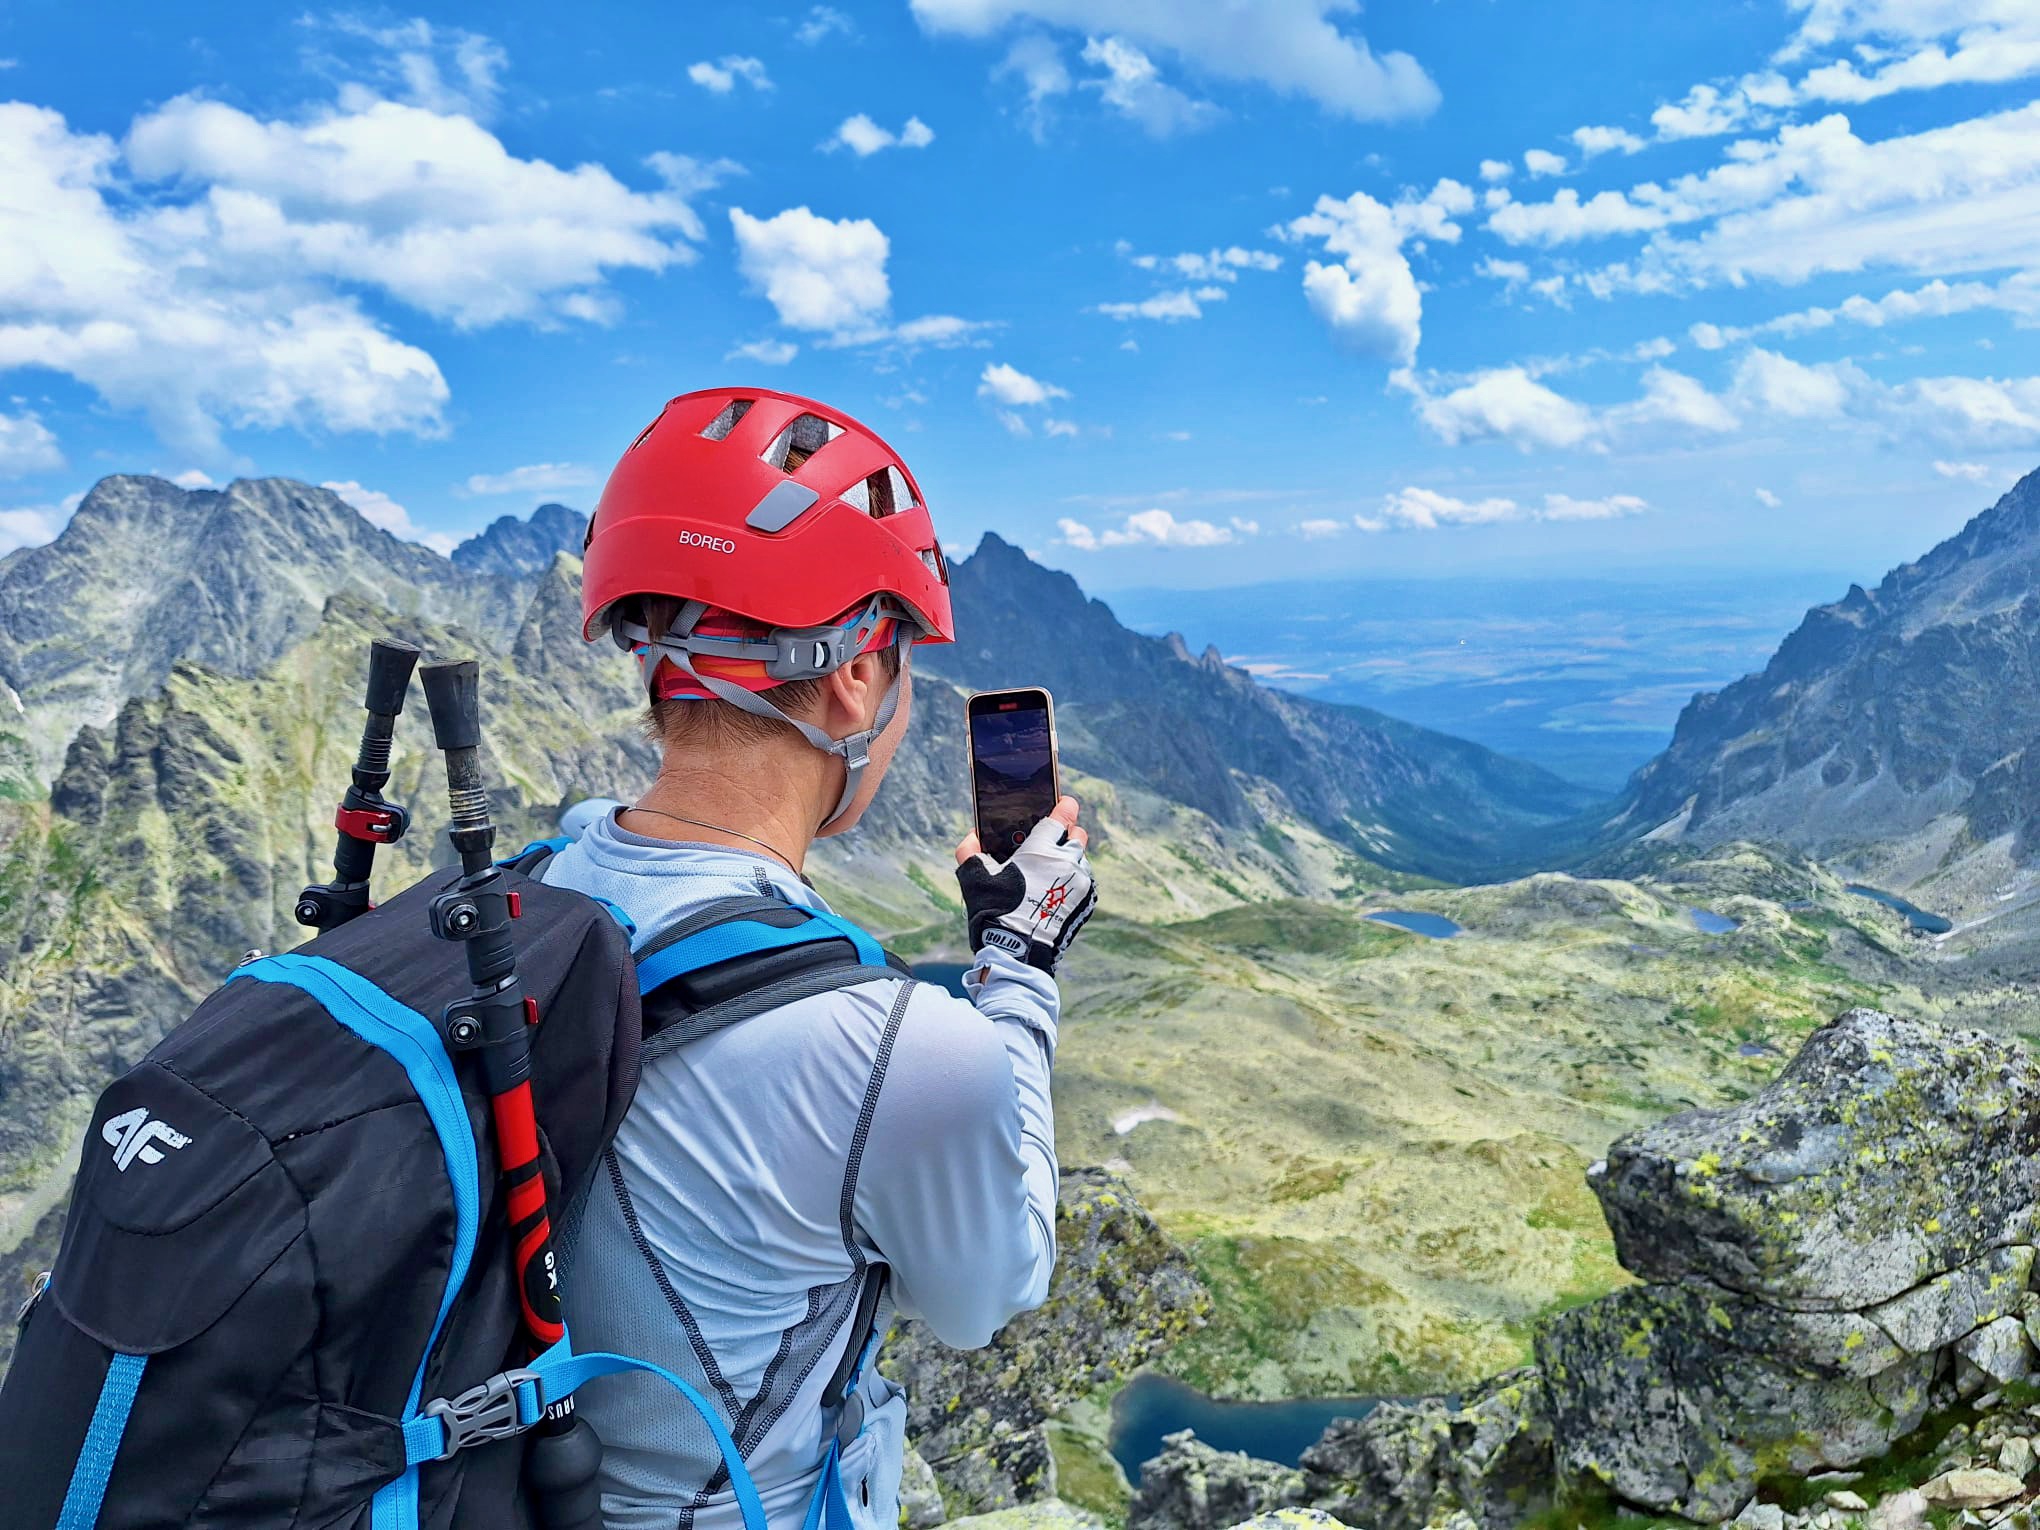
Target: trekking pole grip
x=453 y=694
x=365 y=818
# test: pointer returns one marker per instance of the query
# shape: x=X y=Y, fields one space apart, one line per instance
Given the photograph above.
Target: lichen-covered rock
x=1821 y=1254
x=1682 y=1397
x=1046 y=1514
x=1190 y=1486
x=1936 y=1313
x=1406 y=1466
x=1898 y=1511
x=1999 y=1350
x=1122 y=1293
x=921 y=1506
x=1976 y=1488
x=1887 y=1152
x=1290 y=1519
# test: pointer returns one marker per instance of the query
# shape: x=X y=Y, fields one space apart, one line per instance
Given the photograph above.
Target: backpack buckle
x=484 y=1412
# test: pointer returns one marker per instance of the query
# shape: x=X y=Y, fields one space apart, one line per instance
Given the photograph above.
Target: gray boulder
x=1406 y=1466
x=1937 y=1312
x=1290 y=1519
x=1887 y=1152
x=1681 y=1397
x=921 y=1506
x=1190 y=1486
x=1817 y=1255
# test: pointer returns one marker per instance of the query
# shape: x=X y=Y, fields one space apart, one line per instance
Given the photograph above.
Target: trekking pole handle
x=365 y=818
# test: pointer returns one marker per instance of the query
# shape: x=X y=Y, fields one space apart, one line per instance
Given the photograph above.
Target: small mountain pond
x=1710 y=923
x=1152 y=1406
x=1918 y=918
x=1437 y=926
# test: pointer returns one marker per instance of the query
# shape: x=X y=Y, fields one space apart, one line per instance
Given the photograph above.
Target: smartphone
x=1012 y=765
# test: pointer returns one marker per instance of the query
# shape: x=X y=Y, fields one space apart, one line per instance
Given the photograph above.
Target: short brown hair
x=676 y=723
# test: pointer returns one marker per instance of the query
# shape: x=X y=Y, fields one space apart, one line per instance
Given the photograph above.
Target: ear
x=852 y=693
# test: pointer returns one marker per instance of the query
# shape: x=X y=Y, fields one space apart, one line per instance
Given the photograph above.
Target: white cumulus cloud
x=1413 y=508
x=1134 y=87
x=822 y=23
x=27 y=446
x=1169 y=307
x=1591 y=141
x=864 y=138
x=441 y=68
x=1009 y=385
x=1817 y=198
x=721 y=77
x=1563 y=507
x=1505 y=404
x=1292 y=46
x=767 y=353
x=172 y=280
x=825 y=274
x=1150 y=528
x=1370 y=299
x=534 y=478
x=1543 y=162
x=1212 y=266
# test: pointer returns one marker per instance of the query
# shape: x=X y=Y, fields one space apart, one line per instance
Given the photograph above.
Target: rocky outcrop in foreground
x=1825 y=1267
x=1122 y=1293
x=1819 y=1258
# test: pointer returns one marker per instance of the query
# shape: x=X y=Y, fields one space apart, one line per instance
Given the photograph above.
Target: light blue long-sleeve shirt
x=762 y=1169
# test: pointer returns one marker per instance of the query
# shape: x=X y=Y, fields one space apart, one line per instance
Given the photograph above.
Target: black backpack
x=285 y=1294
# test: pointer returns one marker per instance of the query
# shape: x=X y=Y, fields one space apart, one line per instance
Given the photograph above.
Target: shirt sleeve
x=957 y=1188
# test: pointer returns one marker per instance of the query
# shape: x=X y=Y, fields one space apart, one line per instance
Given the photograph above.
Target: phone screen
x=1013 y=776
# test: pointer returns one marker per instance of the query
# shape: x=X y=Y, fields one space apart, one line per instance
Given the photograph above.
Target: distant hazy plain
x=1583 y=677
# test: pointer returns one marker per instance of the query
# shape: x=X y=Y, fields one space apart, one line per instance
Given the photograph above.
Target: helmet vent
x=792 y=447
x=883 y=493
x=724 y=423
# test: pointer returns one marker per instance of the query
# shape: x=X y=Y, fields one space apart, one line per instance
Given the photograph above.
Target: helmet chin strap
x=854 y=750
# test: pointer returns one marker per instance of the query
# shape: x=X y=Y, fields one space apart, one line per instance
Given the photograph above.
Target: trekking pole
x=365 y=818
x=495 y=1020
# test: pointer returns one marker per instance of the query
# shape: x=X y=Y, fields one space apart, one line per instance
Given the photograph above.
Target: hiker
x=779 y=1186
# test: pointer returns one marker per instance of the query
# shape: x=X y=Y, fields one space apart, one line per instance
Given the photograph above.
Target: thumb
x=968 y=847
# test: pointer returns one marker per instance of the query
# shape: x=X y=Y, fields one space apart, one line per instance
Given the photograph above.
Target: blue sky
x=1171 y=292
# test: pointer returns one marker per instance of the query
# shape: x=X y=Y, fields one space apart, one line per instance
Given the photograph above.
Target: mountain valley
x=1372 y=1144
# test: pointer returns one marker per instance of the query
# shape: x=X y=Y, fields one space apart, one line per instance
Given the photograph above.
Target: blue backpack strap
x=747 y=927
x=89 y=1477
x=742 y=957
x=829 y=1509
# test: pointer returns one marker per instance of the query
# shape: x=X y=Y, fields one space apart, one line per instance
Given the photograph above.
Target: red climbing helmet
x=771 y=508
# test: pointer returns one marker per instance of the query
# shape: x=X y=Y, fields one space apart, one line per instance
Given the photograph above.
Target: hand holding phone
x=1013 y=773
x=1033 y=904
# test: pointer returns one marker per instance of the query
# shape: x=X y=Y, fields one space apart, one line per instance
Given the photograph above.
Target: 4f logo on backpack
x=134 y=1135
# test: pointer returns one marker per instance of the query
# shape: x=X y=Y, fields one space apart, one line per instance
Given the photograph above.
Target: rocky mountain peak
x=148 y=574
x=523 y=547
x=1883 y=713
